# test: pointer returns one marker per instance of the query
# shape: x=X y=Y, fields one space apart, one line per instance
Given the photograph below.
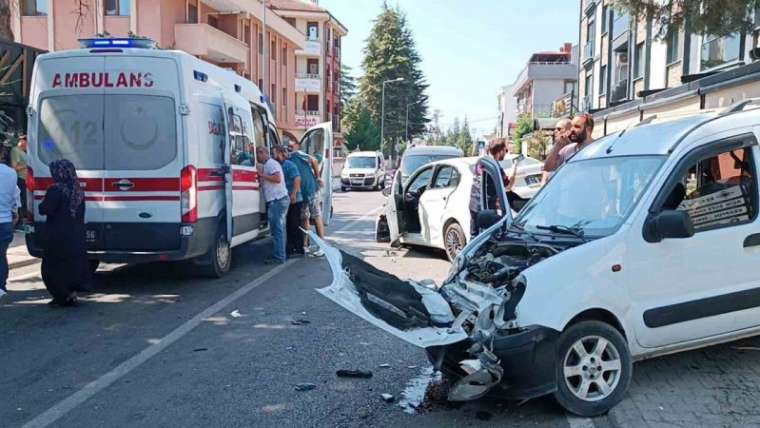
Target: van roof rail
x=739 y=106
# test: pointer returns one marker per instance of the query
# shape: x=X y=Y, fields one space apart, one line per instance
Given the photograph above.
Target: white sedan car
x=431 y=208
x=529 y=174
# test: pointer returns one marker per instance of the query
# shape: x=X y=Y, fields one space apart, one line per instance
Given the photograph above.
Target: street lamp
x=406 y=133
x=382 y=110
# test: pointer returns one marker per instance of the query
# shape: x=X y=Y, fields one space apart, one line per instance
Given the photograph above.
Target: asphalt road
x=155 y=346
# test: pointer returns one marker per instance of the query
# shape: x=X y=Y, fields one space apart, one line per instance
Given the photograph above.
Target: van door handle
x=752 y=240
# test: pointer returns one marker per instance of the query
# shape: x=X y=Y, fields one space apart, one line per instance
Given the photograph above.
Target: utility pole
x=382 y=110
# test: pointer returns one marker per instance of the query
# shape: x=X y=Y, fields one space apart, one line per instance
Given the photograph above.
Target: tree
x=465 y=138
x=360 y=131
x=347 y=86
x=524 y=127
x=716 y=17
x=389 y=54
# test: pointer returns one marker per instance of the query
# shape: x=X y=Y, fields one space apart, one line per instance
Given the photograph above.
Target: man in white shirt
x=276 y=195
x=10 y=200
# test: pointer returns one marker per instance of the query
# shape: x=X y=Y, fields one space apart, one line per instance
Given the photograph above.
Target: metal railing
x=307 y=76
x=309 y=113
x=588 y=50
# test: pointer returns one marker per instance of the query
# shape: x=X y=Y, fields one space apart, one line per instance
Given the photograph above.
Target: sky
x=469 y=48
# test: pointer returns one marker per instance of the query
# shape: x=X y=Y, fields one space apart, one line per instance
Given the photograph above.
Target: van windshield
x=362 y=162
x=114 y=132
x=594 y=196
x=411 y=163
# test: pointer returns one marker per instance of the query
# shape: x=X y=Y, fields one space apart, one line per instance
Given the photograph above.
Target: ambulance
x=164 y=146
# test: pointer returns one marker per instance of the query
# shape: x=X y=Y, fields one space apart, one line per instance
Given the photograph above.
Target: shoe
x=317 y=253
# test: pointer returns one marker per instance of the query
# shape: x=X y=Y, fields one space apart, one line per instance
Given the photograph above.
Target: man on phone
x=581 y=128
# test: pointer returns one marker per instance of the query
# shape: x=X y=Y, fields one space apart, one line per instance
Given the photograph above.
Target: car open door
x=318 y=142
x=394 y=210
x=493 y=195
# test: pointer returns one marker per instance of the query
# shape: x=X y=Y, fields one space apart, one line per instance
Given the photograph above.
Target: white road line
x=578 y=422
x=91 y=389
x=66 y=405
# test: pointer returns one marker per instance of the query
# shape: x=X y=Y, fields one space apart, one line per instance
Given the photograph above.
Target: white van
x=164 y=145
x=363 y=170
x=645 y=243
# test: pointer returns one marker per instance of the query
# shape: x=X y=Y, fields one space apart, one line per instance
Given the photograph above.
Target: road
x=155 y=346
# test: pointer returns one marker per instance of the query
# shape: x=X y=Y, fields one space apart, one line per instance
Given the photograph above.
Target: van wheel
x=593 y=367
x=219 y=255
x=454 y=240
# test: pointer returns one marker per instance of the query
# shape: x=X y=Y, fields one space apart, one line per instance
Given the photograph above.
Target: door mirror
x=668 y=224
x=487 y=218
x=387 y=191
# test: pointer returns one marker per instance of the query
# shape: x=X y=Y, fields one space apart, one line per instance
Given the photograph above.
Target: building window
x=247 y=34
x=117 y=7
x=273 y=94
x=620 y=74
x=261 y=84
x=285 y=99
x=212 y=21
x=639 y=61
x=603 y=80
x=605 y=18
x=273 y=51
x=284 y=56
x=620 y=25
x=192 y=14
x=35 y=7
x=312 y=103
x=312 y=31
x=717 y=51
x=261 y=43
x=673 y=46
x=312 y=66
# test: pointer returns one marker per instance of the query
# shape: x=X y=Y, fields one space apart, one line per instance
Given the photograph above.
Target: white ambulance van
x=164 y=146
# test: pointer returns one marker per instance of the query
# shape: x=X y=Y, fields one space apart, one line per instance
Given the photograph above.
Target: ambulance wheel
x=219 y=255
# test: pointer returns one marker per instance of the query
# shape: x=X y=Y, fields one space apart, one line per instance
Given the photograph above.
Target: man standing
x=497 y=150
x=561 y=139
x=581 y=129
x=9 y=204
x=294 y=239
x=19 y=163
x=276 y=195
x=311 y=183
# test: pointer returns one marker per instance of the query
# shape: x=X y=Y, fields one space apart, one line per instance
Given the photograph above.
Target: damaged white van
x=645 y=243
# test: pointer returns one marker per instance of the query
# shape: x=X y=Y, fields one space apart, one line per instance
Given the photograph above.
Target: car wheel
x=594 y=368
x=382 y=233
x=454 y=239
x=219 y=255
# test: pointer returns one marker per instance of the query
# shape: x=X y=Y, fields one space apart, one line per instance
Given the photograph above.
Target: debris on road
x=363 y=413
x=200 y=349
x=388 y=398
x=300 y=321
x=305 y=386
x=235 y=314
x=363 y=374
x=385 y=366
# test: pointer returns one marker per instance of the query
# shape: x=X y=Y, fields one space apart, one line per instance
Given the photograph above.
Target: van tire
x=614 y=354
x=219 y=256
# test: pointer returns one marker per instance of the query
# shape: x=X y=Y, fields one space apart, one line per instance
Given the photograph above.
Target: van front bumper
x=186 y=247
x=360 y=183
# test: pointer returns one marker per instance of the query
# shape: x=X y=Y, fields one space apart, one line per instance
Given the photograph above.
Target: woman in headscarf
x=64 y=261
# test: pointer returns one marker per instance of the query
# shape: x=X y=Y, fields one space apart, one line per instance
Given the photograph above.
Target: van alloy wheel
x=592 y=368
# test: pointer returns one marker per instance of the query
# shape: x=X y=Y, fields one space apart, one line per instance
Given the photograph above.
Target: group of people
x=570 y=137
x=291 y=186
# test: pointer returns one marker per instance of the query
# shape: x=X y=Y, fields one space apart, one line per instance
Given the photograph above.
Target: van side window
x=242 y=150
x=719 y=190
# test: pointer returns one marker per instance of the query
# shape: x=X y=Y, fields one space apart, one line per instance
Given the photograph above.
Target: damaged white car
x=644 y=243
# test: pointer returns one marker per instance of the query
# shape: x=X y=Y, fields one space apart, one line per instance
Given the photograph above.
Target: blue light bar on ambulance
x=117 y=43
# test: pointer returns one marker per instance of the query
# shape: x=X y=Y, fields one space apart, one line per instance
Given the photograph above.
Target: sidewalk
x=17 y=254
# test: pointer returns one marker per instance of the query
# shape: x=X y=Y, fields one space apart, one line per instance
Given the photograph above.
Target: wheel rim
x=592 y=368
x=453 y=242
x=223 y=253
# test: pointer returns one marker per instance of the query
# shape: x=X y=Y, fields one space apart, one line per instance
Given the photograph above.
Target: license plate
x=533 y=179
x=90 y=236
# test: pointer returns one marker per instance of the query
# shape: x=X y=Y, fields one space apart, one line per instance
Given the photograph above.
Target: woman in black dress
x=64 y=261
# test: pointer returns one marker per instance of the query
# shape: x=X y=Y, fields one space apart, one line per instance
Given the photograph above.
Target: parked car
x=529 y=174
x=415 y=157
x=363 y=170
x=645 y=243
x=431 y=208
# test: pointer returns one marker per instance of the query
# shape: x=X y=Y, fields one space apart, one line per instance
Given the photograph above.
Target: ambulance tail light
x=30 y=186
x=189 y=196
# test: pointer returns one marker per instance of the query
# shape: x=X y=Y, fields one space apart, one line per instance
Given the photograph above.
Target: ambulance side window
x=258 y=128
x=212 y=133
x=241 y=143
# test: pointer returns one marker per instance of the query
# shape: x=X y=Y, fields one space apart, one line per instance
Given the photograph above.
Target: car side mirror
x=668 y=224
x=487 y=218
x=387 y=191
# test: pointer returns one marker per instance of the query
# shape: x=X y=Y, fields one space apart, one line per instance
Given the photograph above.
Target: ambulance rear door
x=143 y=118
x=244 y=135
x=318 y=142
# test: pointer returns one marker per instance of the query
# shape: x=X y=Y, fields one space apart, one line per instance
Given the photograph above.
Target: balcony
x=588 y=52
x=211 y=44
x=307 y=118
x=306 y=82
x=310 y=48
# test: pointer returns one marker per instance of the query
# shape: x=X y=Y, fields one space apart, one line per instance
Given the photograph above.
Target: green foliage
x=347 y=86
x=360 y=131
x=390 y=53
x=524 y=126
x=718 y=17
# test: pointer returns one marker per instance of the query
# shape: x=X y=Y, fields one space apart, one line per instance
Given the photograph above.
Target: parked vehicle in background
x=643 y=244
x=418 y=156
x=363 y=170
x=529 y=173
x=164 y=145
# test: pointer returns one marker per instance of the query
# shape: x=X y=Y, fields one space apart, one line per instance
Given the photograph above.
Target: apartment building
x=507 y=111
x=546 y=77
x=241 y=35
x=632 y=70
x=317 y=84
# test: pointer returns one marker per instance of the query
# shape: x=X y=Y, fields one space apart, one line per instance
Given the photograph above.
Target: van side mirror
x=668 y=224
x=487 y=218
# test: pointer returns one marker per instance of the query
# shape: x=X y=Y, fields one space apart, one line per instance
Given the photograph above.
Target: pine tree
x=390 y=53
x=360 y=131
x=465 y=138
x=347 y=86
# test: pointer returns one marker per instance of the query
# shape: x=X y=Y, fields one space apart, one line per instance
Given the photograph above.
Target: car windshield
x=413 y=162
x=362 y=161
x=593 y=196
